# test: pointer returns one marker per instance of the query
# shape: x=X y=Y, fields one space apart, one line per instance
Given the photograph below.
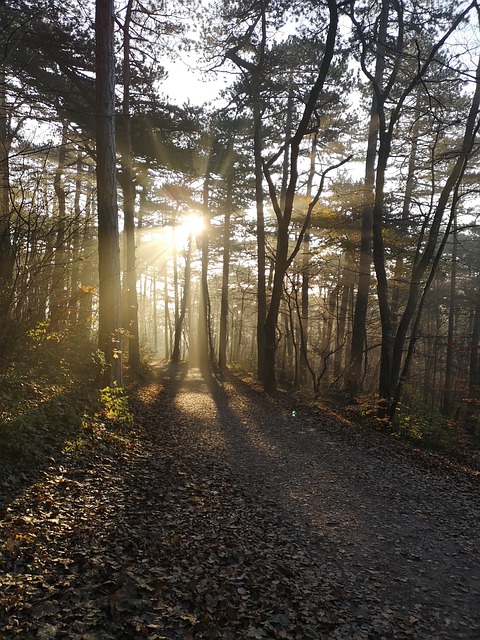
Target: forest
x=313 y=221
x=239 y=319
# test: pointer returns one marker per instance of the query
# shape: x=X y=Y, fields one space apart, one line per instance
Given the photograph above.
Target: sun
x=191 y=225
x=159 y=242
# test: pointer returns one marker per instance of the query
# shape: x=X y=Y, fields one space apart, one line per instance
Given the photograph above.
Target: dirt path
x=403 y=542
x=229 y=518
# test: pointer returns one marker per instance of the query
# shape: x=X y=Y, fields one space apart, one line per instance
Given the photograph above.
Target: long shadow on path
x=405 y=536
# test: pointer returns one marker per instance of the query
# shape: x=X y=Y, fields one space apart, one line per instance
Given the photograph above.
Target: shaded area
x=409 y=533
x=222 y=517
x=34 y=437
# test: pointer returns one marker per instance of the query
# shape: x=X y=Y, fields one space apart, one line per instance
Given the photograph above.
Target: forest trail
x=227 y=517
x=402 y=541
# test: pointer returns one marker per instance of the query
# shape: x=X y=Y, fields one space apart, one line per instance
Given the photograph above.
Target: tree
x=365 y=259
x=284 y=214
x=128 y=185
x=229 y=177
x=391 y=94
x=254 y=77
x=108 y=236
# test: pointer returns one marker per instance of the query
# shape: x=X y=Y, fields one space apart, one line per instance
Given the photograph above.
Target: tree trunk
x=7 y=255
x=270 y=327
x=130 y=321
x=261 y=255
x=284 y=215
x=424 y=261
x=255 y=71
x=447 y=401
x=202 y=343
x=473 y=404
x=108 y=235
x=407 y=202
x=357 y=350
x=183 y=306
x=166 y=314
x=89 y=270
x=58 y=289
x=302 y=366
x=222 y=341
x=75 y=291
x=7 y=258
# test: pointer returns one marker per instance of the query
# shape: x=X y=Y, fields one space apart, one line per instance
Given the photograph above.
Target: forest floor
x=222 y=515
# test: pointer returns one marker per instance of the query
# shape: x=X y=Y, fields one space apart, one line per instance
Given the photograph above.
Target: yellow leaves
x=89 y=289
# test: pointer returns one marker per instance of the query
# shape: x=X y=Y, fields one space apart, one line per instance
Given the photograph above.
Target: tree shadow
x=363 y=500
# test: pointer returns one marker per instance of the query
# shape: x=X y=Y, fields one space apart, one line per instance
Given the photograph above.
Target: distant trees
x=48 y=72
x=336 y=181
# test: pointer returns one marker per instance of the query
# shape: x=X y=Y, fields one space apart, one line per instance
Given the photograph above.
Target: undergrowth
x=422 y=428
x=51 y=406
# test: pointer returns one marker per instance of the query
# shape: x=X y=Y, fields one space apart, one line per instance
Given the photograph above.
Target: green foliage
x=50 y=404
x=417 y=423
x=115 y=406
x=42 y=334
x=420 y=424
x=39 y=410
x=424 y=428
x=106 y=427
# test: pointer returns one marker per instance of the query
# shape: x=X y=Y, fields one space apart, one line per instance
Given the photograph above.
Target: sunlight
x=158 y=242
x=191 y=225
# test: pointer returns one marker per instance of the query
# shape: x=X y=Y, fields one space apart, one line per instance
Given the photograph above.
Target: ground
x=227 y=515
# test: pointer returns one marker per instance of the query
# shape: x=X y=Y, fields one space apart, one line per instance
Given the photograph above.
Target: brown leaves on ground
x=197 y=526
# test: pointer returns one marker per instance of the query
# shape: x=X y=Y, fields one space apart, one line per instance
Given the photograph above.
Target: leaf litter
x=221 y=517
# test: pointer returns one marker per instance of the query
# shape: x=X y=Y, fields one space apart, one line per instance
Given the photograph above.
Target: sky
x=187 y=84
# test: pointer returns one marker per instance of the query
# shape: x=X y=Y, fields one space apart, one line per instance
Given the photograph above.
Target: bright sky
x=186 y=84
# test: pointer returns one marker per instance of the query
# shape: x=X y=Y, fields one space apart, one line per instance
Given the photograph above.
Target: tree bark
x=57 y=287
x=130 y=321
x=261 y=254
x=7 y=258
x=202 y=351
x=89 y=270
x=305 y=288
x=423 y=261
x=447 y=401
x=473 y=404
x=222 y=341
x=108 y=235
x=75 y=291
x=183 y=306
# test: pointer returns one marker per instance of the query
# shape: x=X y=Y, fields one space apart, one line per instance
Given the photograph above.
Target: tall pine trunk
x=305 y=289
x=447 y=400
x=130 y=320
x=180 y=317
x=58 y=289
x=222 y=340
x=108 y=235
x=202 y=352
x=7 y=258
x=261 y=254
